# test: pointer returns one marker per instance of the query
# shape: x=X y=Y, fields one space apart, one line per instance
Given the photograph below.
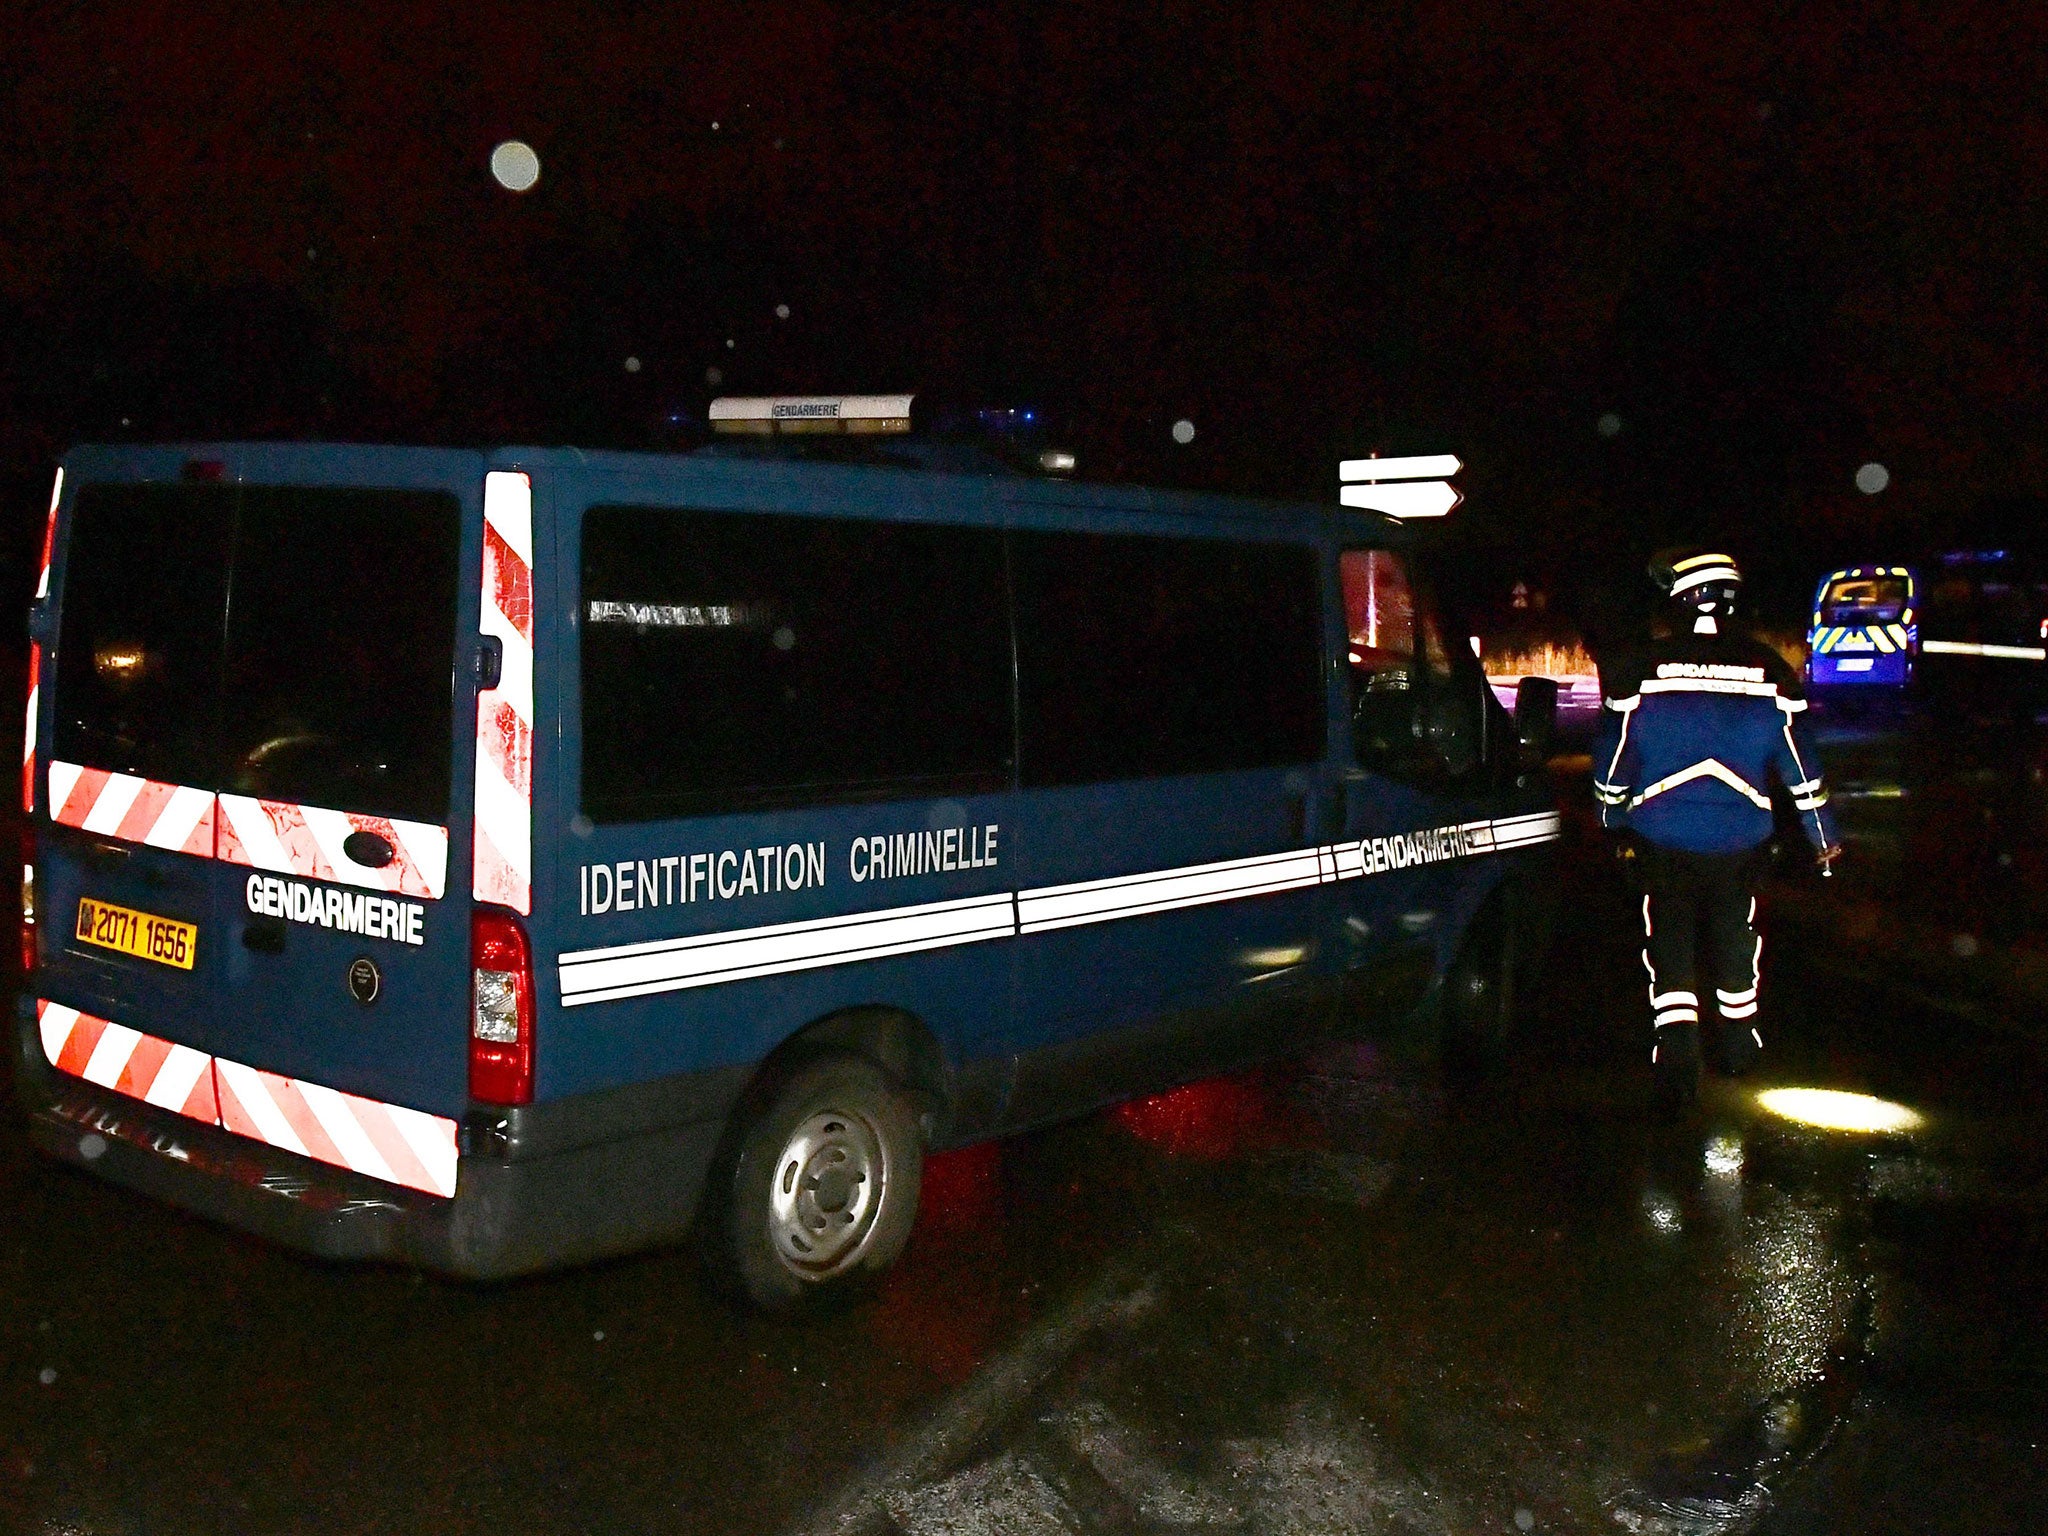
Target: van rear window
x=288 y=642
x=739 y=661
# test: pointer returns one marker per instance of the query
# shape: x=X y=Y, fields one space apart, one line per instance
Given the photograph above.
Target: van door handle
x=265 y=935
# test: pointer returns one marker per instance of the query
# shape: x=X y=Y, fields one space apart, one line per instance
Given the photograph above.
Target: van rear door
x=259 y=731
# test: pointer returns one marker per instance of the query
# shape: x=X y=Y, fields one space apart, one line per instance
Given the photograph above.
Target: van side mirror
x=1536 y=715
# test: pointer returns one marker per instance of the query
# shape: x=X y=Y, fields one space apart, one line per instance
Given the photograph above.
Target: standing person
x=1691 y=729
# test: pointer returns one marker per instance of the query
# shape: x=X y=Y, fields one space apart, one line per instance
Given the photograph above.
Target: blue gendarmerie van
x=492 y=861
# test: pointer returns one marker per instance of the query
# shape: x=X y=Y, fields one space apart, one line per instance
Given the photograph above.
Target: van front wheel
x=824 y=1187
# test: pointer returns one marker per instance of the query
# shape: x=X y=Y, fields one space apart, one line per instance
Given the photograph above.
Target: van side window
x=1140 y=657
x=1415 y=714
x=741 y=661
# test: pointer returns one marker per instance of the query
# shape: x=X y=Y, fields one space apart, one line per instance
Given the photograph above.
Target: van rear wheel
x=823 y=1189
x=1476 y=998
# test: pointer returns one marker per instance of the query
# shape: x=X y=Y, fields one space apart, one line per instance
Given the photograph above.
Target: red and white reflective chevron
x=172 y=816
x=260 y=834
x=385 y=1141
x=306 y=840
x=503 y=845
x=35 y=654
x=28 y=736
x=173 y=1077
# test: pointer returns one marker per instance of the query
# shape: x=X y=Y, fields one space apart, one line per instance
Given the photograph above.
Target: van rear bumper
x=543 y=1188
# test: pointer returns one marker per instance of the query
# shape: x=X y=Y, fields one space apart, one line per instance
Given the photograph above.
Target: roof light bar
x=811 y=413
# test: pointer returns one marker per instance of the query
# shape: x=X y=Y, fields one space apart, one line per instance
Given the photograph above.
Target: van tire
x=822 y=1188
x=1476 y=997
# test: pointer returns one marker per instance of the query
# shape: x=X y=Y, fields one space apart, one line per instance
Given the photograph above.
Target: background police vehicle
x=1865 y=633
x=491 y=861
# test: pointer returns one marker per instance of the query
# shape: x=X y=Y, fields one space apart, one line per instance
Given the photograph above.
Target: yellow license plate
x=141 y=934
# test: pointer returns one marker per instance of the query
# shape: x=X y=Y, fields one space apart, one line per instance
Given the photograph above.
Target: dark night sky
x=1774 y=240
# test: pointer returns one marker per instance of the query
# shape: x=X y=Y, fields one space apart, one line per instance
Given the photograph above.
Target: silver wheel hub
x=828 y=1189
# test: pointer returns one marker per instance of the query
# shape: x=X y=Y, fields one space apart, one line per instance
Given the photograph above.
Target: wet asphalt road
x=1336 y=1296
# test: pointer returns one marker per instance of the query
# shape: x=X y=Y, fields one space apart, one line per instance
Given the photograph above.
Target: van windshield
x=292 y=643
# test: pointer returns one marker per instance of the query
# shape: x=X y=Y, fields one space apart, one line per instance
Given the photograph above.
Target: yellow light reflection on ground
x=1833 y=1110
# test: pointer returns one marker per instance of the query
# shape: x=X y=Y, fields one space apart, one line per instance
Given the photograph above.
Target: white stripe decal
x=634 y=970
x=1973 y=648
x=1711 y=768
x=1095 y=901
x=673 y=965
x=1709 y=685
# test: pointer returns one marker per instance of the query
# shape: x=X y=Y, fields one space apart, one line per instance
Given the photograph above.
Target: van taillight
x=501 y=1009
x=28 y=901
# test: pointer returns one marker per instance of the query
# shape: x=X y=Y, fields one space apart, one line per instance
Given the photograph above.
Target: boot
x=1739 y=1047
x=1675 y=1058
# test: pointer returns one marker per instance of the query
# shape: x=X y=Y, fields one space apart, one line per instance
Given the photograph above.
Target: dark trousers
x=1688 y=896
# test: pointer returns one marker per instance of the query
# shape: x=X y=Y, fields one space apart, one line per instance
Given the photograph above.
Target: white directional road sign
x=1414 y=498
x=1427 y=466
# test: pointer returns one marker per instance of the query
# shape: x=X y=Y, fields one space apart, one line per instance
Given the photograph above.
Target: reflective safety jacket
x=1691 y=730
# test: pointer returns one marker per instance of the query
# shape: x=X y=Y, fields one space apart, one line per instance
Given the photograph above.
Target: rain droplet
x=782 y=311
x=1608 y=425
x=1525 y=1520
x=729 y=342
x=1183 y=431
x=599 y=1335
x=46 y=1376
x=714 y=377
x=515 y=166
x=632 y=365
x=1872 y=478
x=785 y=638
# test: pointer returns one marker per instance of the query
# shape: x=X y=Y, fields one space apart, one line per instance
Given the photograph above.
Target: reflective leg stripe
x=384 y=1141
x=1672 y=999
x=1678 y=1016
x=1742 y=1004
x=503 y=839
